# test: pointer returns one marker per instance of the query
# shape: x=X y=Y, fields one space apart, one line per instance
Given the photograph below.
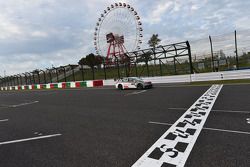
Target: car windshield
x=137 y=79
x=124 y=80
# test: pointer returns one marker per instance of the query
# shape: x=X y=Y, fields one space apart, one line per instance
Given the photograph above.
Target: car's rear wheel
x=120 y=87
x=139 y=86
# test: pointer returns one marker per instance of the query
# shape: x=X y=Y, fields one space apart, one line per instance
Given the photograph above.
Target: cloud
x=242 y=23
x=37 y=34
x=8 y=29
x=158 y=11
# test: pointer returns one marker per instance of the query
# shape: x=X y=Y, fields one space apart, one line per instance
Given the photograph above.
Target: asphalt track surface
x=104 y=127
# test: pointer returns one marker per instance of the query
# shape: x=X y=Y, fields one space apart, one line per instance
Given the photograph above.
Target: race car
x=132 y=83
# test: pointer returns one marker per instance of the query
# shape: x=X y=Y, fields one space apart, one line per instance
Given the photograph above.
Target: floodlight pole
x=236 y=50
x=212 y=52
x=50 y=76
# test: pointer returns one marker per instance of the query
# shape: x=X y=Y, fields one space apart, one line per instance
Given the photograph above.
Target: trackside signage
x=174 y=146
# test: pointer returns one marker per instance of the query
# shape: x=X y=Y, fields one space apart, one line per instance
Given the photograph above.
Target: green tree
x=92 y=61
x=82 y=61
x=145 y=57
x=154 y=42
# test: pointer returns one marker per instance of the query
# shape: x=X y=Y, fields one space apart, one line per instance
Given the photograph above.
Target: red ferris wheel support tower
x=116 y=49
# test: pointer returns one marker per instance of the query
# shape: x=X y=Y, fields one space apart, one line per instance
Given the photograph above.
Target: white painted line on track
x=41 y=93
x=186 y=84
x=213 y=129
x=136 y=93
x=227 y=111
x=23 y=104
x=174 y=146
x=4 y=120
x=29 y=139
x=230 y=131
x=160 y=123
x=180 y=86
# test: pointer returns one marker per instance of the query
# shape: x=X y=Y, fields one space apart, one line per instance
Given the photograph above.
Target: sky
x=39 y=34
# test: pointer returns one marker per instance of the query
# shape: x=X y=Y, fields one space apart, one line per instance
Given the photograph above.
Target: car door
x=132 y=83
x=125 y=83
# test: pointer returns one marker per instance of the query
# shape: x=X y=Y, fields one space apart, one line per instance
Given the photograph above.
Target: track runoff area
x=166 y=126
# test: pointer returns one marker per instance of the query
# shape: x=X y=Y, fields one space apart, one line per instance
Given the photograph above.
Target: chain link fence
x=229 y=51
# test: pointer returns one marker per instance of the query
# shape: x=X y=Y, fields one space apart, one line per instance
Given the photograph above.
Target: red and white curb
x=174 y=146
x=61 y=85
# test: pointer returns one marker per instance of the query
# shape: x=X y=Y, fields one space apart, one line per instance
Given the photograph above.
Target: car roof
x=130 y=78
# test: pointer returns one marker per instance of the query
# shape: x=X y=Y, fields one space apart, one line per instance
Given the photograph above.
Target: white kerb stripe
x=175 y=145
x=89 y=84
x=59 y=85
x=72 y=84
x=48 y=86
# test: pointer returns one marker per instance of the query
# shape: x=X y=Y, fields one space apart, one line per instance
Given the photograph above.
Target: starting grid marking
x=174 y=146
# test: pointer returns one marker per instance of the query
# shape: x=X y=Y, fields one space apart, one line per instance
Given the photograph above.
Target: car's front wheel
x=120 y=87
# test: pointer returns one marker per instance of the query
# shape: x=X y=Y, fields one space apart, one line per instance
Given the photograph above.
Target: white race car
x=132 y=83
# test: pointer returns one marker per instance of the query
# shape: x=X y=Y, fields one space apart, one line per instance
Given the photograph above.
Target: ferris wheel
x=118 y=31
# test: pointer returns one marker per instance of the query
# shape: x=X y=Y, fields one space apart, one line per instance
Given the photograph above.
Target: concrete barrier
x=223 y=75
